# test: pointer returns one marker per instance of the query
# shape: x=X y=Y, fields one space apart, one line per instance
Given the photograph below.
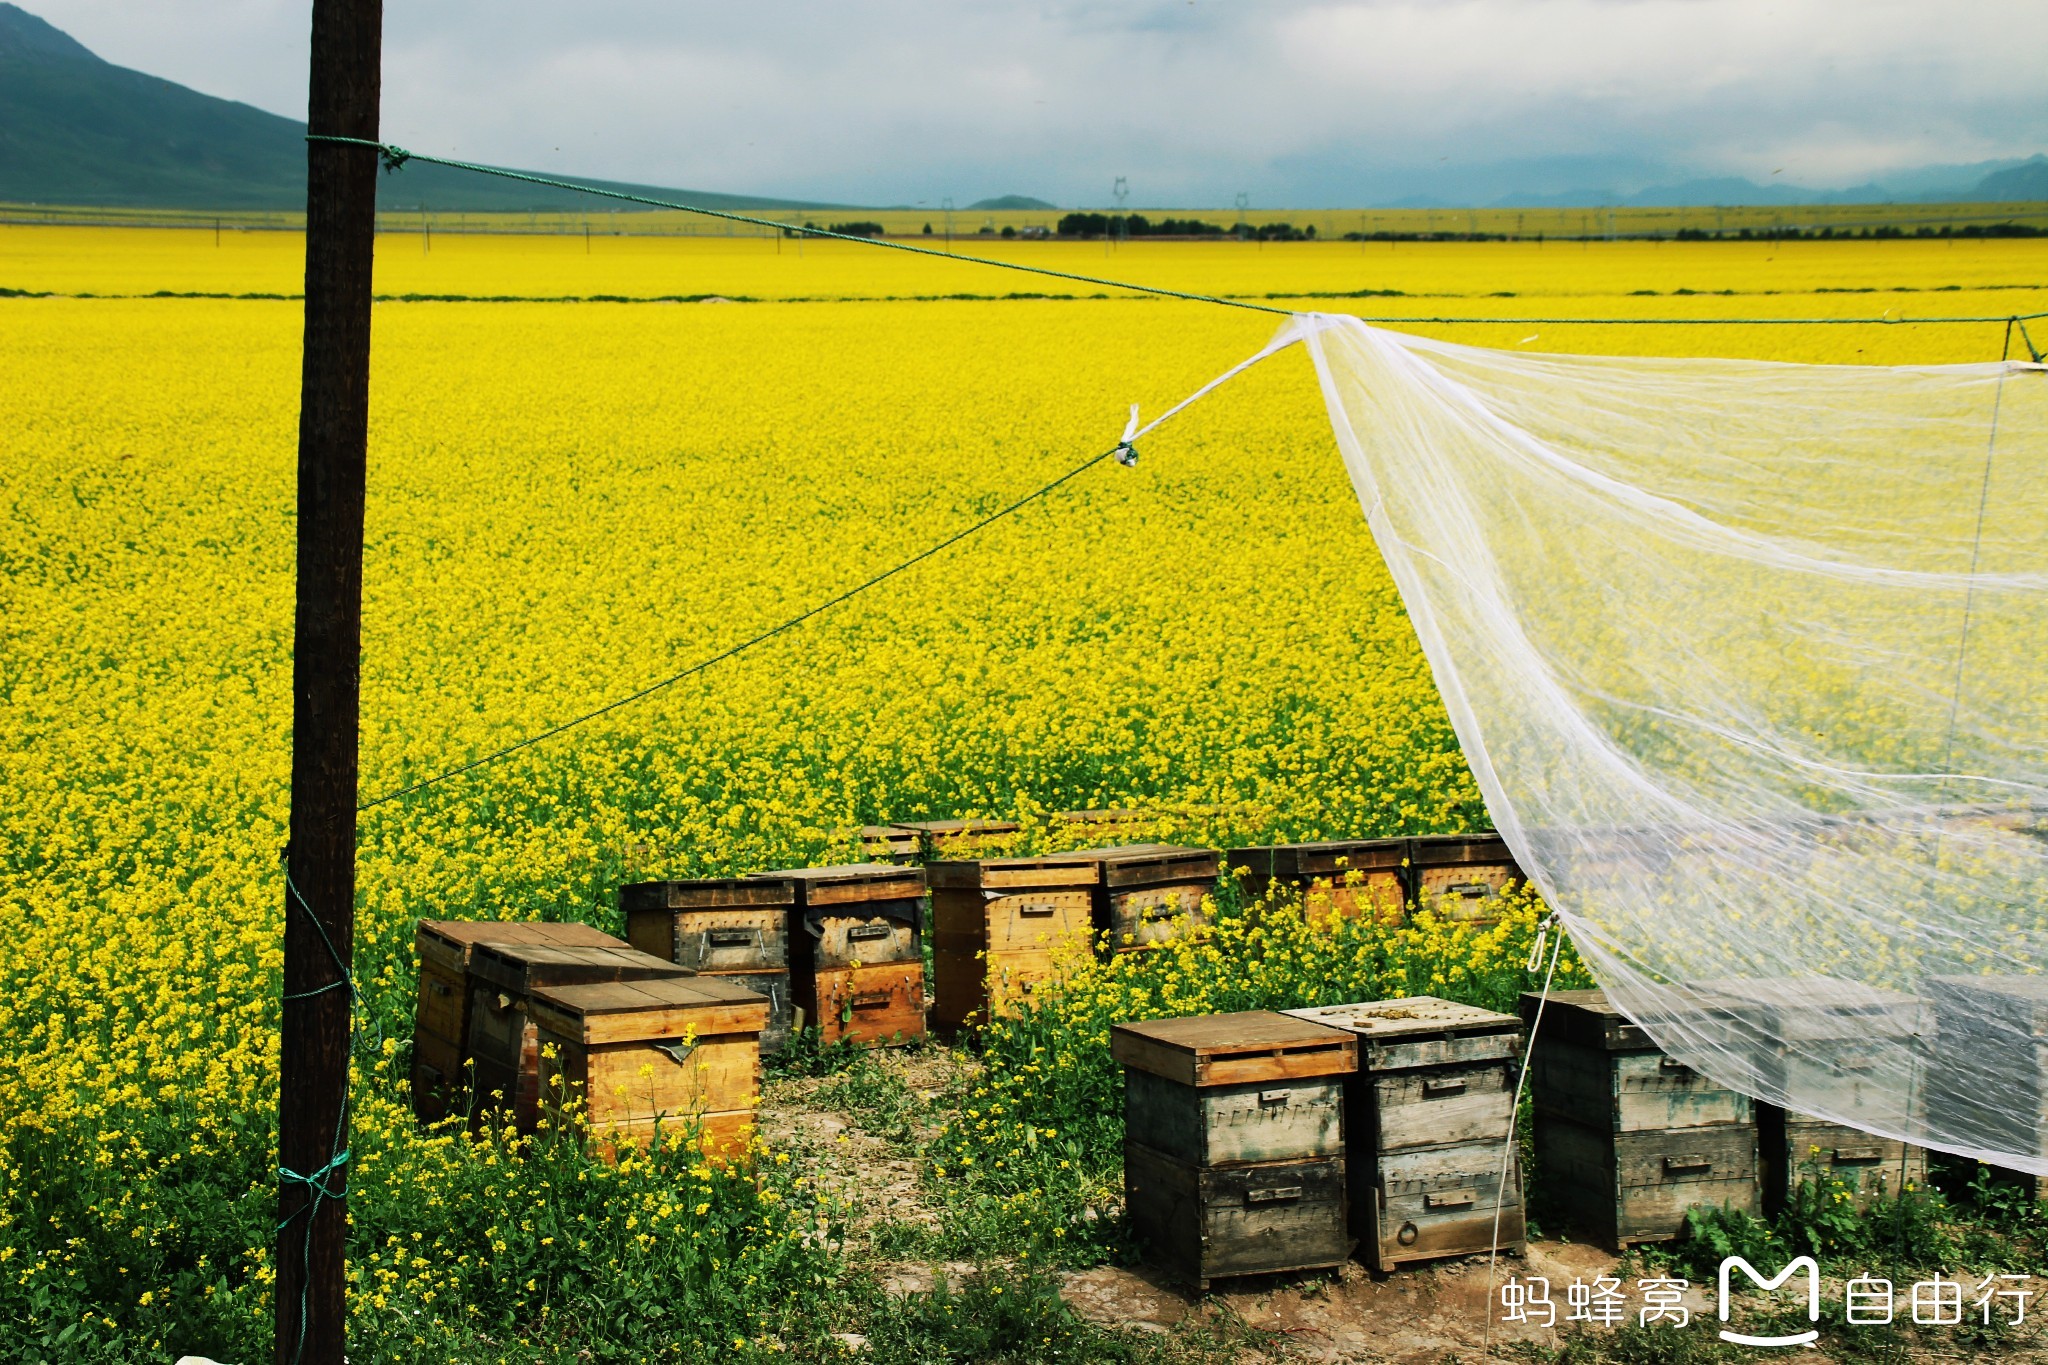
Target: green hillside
x=77 y=130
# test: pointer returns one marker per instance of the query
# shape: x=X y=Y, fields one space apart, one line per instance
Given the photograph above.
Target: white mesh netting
x=1748 y=659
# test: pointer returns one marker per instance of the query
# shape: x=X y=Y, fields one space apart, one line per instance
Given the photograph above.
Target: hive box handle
x=1451 y=1199
x=1272 y=1196
x=1687 y=1163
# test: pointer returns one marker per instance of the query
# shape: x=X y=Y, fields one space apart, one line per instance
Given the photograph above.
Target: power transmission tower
x=1120 y=192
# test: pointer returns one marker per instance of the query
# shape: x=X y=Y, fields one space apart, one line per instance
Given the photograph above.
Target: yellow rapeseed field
x=570 y=499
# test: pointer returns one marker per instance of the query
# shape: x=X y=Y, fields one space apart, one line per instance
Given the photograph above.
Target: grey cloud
x=1305 y=102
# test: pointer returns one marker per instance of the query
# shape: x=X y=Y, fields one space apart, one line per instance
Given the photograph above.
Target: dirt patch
x=859 y=1134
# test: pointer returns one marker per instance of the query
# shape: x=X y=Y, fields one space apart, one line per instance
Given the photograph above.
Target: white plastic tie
x=1126 y=453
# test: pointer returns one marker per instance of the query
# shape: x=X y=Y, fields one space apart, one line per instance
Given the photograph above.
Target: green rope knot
x=393 y=157
x=316 y=1181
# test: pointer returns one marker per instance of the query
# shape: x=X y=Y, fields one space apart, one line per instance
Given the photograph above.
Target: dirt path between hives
x=859 y=1136
x=866 y=1154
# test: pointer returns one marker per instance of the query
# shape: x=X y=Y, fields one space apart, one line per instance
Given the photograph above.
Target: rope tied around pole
x=329 y=1180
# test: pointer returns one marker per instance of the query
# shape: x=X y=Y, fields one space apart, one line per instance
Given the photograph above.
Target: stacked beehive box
x=731 y=927
x=1148 y=894
x=888 y=843
x=1628 y=1139
x=504 y=1045
x=1427 y=1122
x=996 y=924
x=635 y=1055
x=1365 y=878
x=856 y=952
x=1462 y=875
x=1108 y=823
x=1989 y=1086
x=953 y=840
x=1831 y=1036
x=440 y=1043
x=1234 y=1143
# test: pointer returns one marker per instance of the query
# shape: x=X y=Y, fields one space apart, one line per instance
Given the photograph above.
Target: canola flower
x=568 y=500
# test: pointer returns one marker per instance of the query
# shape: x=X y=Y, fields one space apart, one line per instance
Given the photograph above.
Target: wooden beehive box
x=888 y=843
x=1627 y=1138
x=1831 y=1039
x=961 y=839
x=504 y=1046
x=735 y=927
x=440 y=1044
x=856 y=953
x=996 y=924
x=678 y=1051
x=1109 y=823
x=1427 y=1124
x=1462 y=876
x=1366 y=878
x=1988 y=1079
x=1148 y=894
x=1234 y=1143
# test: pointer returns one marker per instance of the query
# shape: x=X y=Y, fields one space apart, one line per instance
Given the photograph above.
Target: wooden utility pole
x=319 y=917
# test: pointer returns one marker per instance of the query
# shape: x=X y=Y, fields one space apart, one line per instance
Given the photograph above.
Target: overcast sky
x=1298 y=103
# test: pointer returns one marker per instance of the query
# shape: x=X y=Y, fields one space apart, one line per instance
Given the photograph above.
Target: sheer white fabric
x=1751 y=663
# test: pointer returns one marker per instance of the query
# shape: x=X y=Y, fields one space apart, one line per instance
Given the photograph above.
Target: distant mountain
x=81 y=131
x=2006 y=182
x=1012 y=203
x=2025 y=182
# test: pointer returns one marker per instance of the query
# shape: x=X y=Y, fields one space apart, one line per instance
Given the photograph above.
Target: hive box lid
x=1816 y=1008
x=1150 y=864
x=1233 y=1049
x=636 y=1011
x=465 y=934
x=1415 y=1016
x=525 y=967
x=1459 y=850
x=849 y=882
x=707 y=893
x=953 y=829
x=1116 y=816
x=1014 y=872
x=453 y=940
x=1329 y=858
x=1586 y=1018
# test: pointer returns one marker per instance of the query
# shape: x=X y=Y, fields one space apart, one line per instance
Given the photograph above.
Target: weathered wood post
x=319 y=934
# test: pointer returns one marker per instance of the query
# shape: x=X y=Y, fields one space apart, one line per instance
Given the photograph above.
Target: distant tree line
x=1864 y=233
x=1138 y=225
x=860 y=229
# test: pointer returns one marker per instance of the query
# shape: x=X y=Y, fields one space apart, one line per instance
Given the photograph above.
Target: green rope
x=328 y=1180
x=395 y=157
x=2025 y=340
x=1118 y=451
